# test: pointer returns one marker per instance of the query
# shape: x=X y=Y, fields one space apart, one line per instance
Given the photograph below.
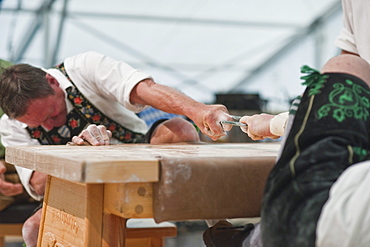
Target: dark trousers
x=329 y=133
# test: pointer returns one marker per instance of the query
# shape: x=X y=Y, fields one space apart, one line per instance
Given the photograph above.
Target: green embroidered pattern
x=314 y=80
x=346 y=100
x=360 y=152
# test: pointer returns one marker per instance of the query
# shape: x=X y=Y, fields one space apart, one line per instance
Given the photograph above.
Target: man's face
x=48 y=112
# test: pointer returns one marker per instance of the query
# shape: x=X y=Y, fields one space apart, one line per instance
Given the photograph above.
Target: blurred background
x=213 y=51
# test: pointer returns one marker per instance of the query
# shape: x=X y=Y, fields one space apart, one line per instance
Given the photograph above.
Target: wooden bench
x=145 y=232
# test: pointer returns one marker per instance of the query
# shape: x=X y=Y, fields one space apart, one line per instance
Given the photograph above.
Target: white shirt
x=355 y=35
x=345 y=217
x=105 y=82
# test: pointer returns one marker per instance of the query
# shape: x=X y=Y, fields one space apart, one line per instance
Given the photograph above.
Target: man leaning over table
x=50 y=106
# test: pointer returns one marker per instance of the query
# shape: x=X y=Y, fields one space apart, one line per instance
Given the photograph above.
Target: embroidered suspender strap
x=91 y=114
x=84 y=113
x=59 y=135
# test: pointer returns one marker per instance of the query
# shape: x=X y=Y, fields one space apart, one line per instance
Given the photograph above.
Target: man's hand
x=258 y=126
x=6 y=188
x=94 y=135
x=209 y=120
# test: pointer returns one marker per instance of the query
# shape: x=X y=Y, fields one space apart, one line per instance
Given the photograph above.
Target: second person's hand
x=258 y=126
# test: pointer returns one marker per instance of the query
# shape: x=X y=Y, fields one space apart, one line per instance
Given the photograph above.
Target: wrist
x=278 y=124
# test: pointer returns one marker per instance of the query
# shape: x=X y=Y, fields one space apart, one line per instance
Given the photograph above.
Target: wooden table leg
x=114 y=231
x=72 y=214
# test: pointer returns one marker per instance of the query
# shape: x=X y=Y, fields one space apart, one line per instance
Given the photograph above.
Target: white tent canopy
x=199 y=47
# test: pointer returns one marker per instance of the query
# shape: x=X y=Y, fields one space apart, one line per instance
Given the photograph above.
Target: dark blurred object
x=241 y=101
x=18 y=213
x=12 y=218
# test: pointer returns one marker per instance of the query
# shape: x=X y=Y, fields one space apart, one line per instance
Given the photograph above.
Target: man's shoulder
x=82 y=61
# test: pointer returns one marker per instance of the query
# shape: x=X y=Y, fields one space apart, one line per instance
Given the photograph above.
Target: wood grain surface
x=123 y=163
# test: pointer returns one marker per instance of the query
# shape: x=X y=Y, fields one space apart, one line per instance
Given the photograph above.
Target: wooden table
x=91 y=191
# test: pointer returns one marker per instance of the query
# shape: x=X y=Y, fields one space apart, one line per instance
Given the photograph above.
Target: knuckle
x=91 y=127
x=84 y=132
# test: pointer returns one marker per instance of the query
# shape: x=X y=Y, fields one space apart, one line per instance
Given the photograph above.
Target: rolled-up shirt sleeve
x=346 y=39
x=278 y=124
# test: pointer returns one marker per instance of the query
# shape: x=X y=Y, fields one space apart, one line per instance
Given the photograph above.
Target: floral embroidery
x=74 y=123
x=77 y=100
x=346 y=100
x=56 y=139
x=58 y=135
x=128 y=136
x=112 y=127
x=92 y=115
x=36 y=134
x=96 y=117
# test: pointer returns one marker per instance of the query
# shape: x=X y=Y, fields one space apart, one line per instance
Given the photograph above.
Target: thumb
x=244 y=119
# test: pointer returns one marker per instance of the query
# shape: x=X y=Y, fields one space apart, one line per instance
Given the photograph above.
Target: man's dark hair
x=18 y=85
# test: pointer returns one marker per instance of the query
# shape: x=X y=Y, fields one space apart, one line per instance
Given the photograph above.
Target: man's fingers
x=85 y=135
x=77 y=140
x=244 y=129
x=95 y=134
x=10 y=189
x=211 y=133
x=105 y=134
x=244 y=120
x=6 y=188
x=88 y=136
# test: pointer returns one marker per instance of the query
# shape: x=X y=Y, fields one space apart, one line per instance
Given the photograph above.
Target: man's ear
x=51 y=80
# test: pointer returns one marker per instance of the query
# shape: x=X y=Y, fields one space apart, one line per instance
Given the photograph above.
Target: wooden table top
x=125 y=162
